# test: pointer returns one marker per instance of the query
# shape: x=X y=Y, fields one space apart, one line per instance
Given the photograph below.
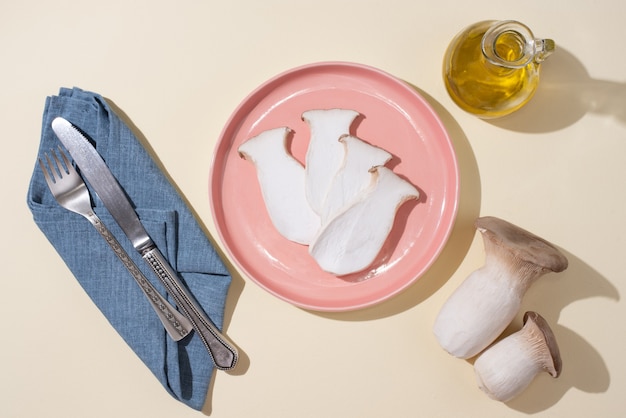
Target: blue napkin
x=184 y=368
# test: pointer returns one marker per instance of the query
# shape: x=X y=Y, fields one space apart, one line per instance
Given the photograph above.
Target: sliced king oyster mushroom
x=351 y=241
x=325 y=153
x=354 y=174
x=281 y=178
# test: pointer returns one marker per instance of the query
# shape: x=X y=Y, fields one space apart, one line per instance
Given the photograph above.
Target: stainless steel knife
x=96 y=172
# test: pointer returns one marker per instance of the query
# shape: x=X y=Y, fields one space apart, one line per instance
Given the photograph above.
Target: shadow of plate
x=460 y=238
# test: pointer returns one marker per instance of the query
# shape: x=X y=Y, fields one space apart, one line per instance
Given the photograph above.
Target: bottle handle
x=543 y=48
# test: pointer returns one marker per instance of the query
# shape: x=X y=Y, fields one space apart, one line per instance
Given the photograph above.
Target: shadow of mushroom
x=458 y=243
x=565 y=94
x=583 y=366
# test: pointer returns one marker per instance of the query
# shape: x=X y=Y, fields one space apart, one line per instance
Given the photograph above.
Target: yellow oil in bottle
x=481 y=87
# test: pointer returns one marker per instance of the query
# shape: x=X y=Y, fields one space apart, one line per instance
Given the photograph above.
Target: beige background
x=178 y=69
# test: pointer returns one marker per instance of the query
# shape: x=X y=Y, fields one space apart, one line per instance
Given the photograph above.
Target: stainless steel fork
x=70 y=191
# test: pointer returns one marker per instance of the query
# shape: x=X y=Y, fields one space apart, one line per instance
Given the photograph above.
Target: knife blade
x=104 y=183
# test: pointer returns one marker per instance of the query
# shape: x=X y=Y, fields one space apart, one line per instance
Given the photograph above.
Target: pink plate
x=396 y=118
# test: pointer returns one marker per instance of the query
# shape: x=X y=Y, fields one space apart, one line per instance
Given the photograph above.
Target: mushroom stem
x=504 y=370
x=343 y=246
x=487 y=301
x=281 y=179
x=325 y=153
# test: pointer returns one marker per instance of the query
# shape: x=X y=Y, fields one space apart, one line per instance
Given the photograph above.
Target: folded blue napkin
x=184 y=368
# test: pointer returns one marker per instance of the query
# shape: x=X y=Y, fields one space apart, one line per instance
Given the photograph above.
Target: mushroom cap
x=555 y=367
x=521 y=243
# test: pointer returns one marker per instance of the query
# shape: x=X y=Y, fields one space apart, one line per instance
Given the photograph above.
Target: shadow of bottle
x=565 y=94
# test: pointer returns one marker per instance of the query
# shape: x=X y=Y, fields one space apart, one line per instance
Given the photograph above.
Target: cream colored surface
x=178 y=69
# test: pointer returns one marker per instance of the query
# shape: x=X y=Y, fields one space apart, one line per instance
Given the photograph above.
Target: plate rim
x=231 y=126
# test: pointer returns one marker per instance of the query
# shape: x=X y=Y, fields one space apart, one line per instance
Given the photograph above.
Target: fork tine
x=48 y=172
x=68 y=165
x=44 y=170
x=55 y=170
x=60 y=170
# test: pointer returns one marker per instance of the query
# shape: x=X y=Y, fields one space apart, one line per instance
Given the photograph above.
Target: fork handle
x=223 y=354
x=175 y=323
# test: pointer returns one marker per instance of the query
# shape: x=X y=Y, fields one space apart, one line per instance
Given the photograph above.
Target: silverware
x=70 y=191
x=96 y=172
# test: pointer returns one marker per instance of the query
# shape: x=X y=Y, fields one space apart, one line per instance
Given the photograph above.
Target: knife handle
x=223 y=354
x=174 y=322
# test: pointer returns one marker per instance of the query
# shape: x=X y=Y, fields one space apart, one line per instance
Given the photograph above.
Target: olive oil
x=494 y=78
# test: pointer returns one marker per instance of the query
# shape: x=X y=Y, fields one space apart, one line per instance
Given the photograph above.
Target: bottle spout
x=543 y=48
x=511 y=44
